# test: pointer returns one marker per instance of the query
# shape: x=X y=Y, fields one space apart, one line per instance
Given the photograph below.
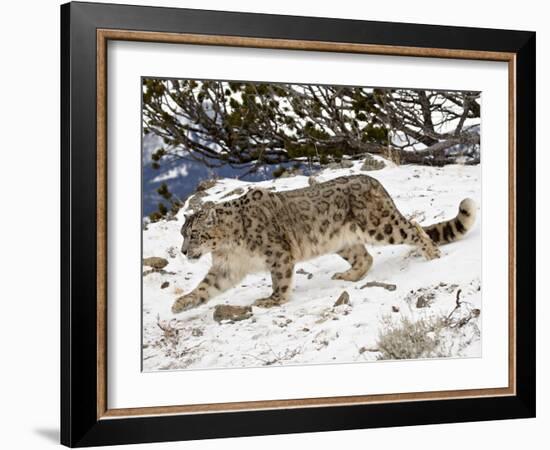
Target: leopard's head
x=202 y=233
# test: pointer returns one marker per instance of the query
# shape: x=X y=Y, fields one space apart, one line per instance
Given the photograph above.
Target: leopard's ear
x=186 y=218
x=211 y=217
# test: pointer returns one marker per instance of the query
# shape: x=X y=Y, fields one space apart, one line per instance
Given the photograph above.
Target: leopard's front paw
x=350 y=275
x=432 y=252
x=186 y=302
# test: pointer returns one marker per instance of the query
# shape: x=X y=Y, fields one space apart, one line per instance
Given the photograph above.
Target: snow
x=309 y=329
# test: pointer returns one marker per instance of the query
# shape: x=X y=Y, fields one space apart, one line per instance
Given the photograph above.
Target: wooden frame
x=86 y=418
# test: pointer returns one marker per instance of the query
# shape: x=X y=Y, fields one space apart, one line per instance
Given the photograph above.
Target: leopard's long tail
x=454 y=229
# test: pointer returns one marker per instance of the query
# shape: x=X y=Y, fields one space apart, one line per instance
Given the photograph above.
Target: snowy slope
x=308 y=329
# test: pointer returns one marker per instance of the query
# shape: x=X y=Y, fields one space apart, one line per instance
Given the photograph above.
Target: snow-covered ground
x=309 y=329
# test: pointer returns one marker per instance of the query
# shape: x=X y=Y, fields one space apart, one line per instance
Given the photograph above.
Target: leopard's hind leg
x=359 y=259
x=403 y=231
x=428 y=248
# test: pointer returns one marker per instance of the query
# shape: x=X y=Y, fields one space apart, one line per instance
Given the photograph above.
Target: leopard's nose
x=184 y=251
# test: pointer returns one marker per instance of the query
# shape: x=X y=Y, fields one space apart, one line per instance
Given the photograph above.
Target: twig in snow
x=471 y=313
x=368 y=349
x=458 y=303
x=278 y=358
x=387 y=286
x=171 y=328
x=265 y=361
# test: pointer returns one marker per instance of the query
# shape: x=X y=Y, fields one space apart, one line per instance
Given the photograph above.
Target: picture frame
x=86 y=30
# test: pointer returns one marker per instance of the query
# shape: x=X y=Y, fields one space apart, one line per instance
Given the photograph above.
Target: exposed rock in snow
x=232 y=313
x=155 y=262
x=343 y=299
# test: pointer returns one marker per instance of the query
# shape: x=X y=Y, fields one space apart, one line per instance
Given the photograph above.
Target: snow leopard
x=264 y=230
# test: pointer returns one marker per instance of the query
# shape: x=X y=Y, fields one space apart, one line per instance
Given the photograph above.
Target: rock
x=155 y=262
x=195 y=201
x=290 y=172
x=282 y=323
x=343 y=299
x=237 y=191
x=233 y=313
x=423 y=302
x=370 y=163
x=164 y=285
x=204 y=185
x=302 y=272
x=344 y=164
x=387 y=286
x=395 y=309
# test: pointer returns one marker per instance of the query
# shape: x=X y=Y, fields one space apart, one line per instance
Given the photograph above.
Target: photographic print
x=312 y=200
x=290 y=224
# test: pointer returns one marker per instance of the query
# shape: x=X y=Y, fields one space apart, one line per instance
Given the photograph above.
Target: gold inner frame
x=104 y=35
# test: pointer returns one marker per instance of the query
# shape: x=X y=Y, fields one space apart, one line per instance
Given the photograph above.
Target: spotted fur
x=264 y=230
